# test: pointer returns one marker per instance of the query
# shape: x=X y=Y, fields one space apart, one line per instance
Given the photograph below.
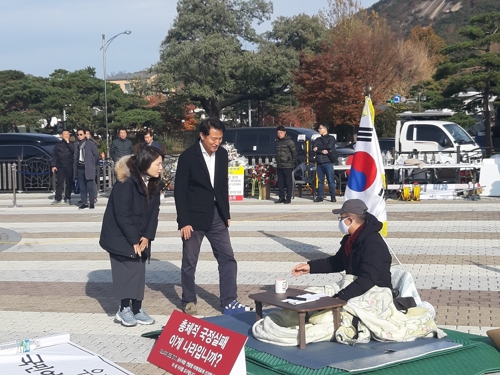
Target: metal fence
x=35 y=174
x=31 y=174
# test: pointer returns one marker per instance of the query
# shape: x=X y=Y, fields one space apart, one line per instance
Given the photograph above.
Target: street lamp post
x=105 y=44
x=65 y=124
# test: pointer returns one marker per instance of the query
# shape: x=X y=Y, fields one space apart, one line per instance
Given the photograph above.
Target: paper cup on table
x=280 y=286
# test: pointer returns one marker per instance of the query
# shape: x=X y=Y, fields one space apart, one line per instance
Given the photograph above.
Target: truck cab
x=431 y=137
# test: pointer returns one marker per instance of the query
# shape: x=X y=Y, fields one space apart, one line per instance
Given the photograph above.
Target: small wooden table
x=274 y=299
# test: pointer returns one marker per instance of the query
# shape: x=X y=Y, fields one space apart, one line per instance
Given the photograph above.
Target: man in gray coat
x=86 y=158
x=286 y=153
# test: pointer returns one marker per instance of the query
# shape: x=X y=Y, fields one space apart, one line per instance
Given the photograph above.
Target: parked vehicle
x=26 y=145
x=429 y=137
x=31 y=154
x=255 y=143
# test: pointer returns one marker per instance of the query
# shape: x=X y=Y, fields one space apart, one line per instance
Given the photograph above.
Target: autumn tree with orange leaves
x=361 y=52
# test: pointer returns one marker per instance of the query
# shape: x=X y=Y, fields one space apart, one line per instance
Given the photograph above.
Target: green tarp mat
x=476 y=356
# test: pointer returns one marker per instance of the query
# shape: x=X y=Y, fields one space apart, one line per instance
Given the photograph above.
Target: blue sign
x=397 y=99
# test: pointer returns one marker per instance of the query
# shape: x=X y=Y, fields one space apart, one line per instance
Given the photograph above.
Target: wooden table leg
x=302 y=330
x=258 y=310
x=336 y=319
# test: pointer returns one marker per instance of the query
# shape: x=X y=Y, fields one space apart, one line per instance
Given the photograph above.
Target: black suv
x=33 y=151
x=26 y=145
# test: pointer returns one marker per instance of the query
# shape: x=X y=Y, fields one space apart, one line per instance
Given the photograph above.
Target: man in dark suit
x=202 y=203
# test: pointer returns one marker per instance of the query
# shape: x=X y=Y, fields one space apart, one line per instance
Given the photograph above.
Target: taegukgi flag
x=367 y=176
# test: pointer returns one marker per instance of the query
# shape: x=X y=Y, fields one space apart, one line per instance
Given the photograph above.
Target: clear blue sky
x=38 y=36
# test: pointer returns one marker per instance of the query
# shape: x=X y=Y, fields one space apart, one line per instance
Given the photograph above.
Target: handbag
x=76 y=188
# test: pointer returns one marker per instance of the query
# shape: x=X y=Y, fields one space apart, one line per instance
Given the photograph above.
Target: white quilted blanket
x=375 y=309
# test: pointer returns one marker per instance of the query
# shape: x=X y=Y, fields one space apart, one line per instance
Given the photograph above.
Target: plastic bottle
x=20 y=346
x=24 y=346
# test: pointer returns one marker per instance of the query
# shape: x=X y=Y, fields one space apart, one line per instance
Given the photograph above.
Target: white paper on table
x=309 y=297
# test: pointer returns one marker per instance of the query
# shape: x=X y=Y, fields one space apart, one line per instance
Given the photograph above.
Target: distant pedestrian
x=85 y=161
x=286 y=153
x=62 y=166
x=149 y=141
x=128 y=227
x=325 y=155
x=88 y=135
x=121 y=146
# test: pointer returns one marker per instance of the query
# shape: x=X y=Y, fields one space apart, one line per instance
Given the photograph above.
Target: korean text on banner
x=188 y=345
x=236 y=176
x=367 y=176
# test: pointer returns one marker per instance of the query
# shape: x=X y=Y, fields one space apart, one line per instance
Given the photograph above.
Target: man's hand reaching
x=301 y=269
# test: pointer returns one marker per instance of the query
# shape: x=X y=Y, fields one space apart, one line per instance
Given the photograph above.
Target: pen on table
x=297 y=298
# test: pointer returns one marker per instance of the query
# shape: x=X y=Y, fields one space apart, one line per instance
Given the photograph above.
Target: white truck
x=427 y=135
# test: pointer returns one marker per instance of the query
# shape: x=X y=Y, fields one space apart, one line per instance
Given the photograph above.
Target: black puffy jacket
x=286 y=152
x=369 y=260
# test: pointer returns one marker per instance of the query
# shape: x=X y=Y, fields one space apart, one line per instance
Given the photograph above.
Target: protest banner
x=192 y=346
x=236 y=182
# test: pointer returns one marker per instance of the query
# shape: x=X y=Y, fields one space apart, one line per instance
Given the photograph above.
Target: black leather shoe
x=287 y=202
x=91 y=206
x=83 y=206
x=281 y=200
x=318 y=199
x=333 y=199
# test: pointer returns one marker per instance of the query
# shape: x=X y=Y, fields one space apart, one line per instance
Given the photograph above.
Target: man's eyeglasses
x=80 y=134
x=343 y=218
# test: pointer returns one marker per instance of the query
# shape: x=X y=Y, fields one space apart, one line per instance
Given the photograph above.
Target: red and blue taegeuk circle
x=363 y=172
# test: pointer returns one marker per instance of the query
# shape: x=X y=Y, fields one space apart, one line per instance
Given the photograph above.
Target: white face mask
x=344 y=229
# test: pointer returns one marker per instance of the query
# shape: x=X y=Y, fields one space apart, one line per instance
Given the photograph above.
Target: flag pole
x=393 y=253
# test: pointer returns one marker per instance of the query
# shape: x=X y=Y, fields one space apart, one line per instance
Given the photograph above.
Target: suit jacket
x=194 y=195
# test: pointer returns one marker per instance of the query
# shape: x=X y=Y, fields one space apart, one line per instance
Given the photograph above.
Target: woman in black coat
x=128 y=227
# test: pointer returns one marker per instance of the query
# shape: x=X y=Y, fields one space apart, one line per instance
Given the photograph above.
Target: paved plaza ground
x=54 y=277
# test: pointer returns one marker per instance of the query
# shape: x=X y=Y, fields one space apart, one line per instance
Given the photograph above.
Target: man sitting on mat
x=363 y=252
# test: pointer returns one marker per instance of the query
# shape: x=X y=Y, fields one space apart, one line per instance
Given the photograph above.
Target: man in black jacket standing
x=62 y=164
x=286 y=153
x=325 y=154
x=202 y=203
x=363 y=252
x=121 y=146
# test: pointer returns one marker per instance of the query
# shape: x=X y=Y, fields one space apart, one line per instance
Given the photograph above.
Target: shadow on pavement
x=313 y=252
x=161 y=276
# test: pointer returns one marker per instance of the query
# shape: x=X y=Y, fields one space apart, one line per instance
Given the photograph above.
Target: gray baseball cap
x=352 y=206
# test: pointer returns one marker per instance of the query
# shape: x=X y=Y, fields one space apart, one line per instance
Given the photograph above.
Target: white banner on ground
x=64 y=359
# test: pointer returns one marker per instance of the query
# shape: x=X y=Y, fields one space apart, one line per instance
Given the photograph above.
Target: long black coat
x=128 y=215
x=369 y=260
x=193 y=192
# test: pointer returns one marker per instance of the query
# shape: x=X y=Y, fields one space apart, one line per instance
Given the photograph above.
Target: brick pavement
x=54 y=277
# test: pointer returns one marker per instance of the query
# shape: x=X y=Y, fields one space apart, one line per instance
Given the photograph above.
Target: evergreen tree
x=473 y=63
